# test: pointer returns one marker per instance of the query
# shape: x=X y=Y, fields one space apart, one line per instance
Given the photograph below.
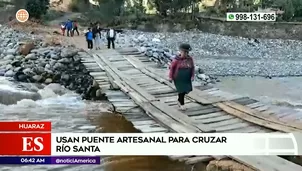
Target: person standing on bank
x=111 y=34
x=69 y=27
x=96 y=30
x=182 y=73
x=75 y=28
x=89 y=39
x=63 y=28
x=97 y=41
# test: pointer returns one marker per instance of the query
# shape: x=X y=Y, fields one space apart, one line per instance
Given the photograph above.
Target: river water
x=284 y=91
x=68 y=113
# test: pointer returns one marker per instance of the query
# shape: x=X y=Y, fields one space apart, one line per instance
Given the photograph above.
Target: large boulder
x=26 y=48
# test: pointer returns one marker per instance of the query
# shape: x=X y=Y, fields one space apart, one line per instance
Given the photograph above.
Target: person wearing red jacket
x=182 y=73
x=75 y=28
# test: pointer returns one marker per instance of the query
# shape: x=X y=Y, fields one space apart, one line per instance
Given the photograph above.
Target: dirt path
x=78 y=41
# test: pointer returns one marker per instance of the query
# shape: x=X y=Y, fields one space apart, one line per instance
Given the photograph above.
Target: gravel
x=219 y=55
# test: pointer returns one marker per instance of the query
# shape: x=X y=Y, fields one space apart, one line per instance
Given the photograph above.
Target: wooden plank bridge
x=148 y=100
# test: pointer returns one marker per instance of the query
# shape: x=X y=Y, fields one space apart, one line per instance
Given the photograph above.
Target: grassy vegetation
x=52 y=15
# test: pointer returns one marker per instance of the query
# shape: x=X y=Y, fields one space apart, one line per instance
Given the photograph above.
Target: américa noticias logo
x=22 y=15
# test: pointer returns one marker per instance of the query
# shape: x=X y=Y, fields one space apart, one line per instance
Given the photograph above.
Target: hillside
x=60 y=5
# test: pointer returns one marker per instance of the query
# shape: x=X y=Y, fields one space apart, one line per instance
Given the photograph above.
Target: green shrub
x=79 y=5
x=37 y=8
x=73 y=6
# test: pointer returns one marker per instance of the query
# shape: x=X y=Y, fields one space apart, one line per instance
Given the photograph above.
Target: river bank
x=27 y=58
x=230 y=56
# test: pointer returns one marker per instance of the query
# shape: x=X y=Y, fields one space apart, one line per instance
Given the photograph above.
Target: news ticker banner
x=41 y=160
x=99 y=144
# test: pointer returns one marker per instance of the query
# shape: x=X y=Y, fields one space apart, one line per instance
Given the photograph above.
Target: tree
x=267 y=3
x=289 y=10
x=298 y=7
x=37 y=8
x=164 y=7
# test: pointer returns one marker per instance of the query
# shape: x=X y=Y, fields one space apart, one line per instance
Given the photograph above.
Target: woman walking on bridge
x=182 y=73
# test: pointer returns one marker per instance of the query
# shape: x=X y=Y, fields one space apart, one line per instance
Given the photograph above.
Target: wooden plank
x=148 y=129
x=159 y=88
x=201 y=112
x=143 y=85
x=166 y=95
x=236 y=126
x=204 y=111
x=255 y=105
x=267 y=163
x=211 y=115
x=115 y=81
x=226 y=122
x=175 y=102
x=180 y=117
x=146 y=122
x=244 y=101
x=217 y=119
x=198 y=159
x=161 y=117
x=129 y=82
x=248 y=129
x=124 y=99
x=228 y=95
x=162 y=91
x=169 y=99
x=262 y=108
x=254 y=113
x=123 y=104
x=193 y=106
x=255 y=120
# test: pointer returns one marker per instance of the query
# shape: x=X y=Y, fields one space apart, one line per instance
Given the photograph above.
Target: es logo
x=32 y=144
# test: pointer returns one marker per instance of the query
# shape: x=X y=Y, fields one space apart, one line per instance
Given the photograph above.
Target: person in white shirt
x=111 y=35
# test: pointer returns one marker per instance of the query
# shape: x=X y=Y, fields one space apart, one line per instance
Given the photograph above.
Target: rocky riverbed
x=26 y=58
x=219 y=55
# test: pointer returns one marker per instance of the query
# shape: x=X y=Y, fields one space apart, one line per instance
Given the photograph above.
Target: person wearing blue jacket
x=69 y=27
x=89 y=39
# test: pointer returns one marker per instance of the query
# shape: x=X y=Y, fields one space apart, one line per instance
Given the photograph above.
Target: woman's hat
x=185 y=47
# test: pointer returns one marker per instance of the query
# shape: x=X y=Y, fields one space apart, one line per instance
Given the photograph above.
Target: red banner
x=25 y=126
x=25 y=143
